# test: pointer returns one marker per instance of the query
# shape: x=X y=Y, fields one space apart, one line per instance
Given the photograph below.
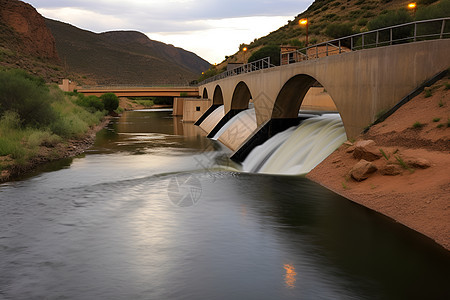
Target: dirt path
x=418 y=198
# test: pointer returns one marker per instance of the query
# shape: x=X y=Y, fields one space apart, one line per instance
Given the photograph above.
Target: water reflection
x=105 y=227
x=290 y=276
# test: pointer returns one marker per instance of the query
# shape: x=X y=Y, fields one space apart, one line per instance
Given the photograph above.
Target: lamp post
x=413 y=6
x=304 y=22
x=245 y=51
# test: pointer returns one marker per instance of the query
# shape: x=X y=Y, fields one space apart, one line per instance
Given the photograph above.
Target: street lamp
x=245 y=51
x=304 y=22
x=413 y=7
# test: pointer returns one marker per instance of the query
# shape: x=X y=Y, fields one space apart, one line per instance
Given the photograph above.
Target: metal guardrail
x=393 y=35
x=135 y=86
x=263 y=63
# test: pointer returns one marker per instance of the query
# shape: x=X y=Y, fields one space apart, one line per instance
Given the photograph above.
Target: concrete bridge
x=363 y=84
x=180 y=91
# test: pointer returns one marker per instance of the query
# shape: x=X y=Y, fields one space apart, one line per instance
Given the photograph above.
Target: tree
x=272 y=51
x=111 y=101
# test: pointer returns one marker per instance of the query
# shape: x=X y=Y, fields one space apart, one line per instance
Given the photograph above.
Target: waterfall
x=234 y=133
x=298 y=150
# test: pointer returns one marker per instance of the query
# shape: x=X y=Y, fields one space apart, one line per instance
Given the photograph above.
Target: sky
x=210 y=28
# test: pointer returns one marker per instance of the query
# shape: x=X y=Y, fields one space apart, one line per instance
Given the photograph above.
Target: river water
x=154 y=210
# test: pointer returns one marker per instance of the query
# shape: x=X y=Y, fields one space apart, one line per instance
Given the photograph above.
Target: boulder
x=391 y=170
x=366 y=150
x=362 y=170
x=420 y=163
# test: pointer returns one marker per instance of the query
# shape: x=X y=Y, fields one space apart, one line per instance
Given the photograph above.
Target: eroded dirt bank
x=416 y=195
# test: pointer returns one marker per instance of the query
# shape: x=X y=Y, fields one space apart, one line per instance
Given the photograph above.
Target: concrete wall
x=194 y=108
x=68 y=86
x=178 y=106
x=361 y=83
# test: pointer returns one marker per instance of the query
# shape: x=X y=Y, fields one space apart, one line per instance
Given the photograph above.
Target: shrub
x=27 y=96
x=417 y=125
x=426 y=2
x=92 y=103
x=392 y=18
x=110 y=101
x=336 y=30
x=272 y=51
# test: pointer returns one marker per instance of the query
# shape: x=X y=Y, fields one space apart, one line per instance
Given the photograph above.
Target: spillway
x=298 y=150
x=238 y=129
x=211 y=121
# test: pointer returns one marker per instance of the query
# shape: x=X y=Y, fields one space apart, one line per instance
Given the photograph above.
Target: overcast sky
x=209 y=28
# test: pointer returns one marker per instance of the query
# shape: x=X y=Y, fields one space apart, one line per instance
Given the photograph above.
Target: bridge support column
x=206 y=114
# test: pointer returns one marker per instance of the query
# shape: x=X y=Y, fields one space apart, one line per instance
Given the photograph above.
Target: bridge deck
x=142 y=91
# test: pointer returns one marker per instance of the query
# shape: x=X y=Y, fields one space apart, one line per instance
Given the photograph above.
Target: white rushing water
x=298 y=150
x=243 y=118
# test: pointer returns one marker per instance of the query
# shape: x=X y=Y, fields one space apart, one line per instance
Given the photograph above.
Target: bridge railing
x=398 y=34
x=263 y=63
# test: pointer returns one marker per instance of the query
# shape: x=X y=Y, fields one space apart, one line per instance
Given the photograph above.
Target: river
x=155 y=210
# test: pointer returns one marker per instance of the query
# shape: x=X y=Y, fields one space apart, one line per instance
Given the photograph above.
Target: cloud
x=210 y=28
x=222 y=37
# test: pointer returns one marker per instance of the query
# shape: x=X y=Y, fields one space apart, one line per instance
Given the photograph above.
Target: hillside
x=123 y=57
x=347 y=16
x=26 y=42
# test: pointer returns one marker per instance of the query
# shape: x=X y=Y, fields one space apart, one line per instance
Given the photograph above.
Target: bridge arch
x=291 y=95
x=205 y=94
x=218 y=96
x=241 y=96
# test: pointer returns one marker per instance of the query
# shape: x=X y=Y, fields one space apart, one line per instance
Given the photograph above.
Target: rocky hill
x=26 y=42
x=123 y=57
x=329 y=19
x=55 y=50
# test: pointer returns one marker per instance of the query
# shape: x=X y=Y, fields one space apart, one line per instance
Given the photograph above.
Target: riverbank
x=68 y=148
x=410 y=182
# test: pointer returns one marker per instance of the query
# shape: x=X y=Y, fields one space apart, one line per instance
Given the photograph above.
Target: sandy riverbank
x=418 y=198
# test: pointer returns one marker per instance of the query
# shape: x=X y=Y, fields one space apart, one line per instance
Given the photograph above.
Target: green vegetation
x=440 y=103
x=436 y=119
x=403 y=164
x=446 y=86
x=384 y=154
x=440 y=125
x=417 y=125
x=428 y=93
x=33 y=114
x=336 y=30
x=110 y=101
x=272 y=51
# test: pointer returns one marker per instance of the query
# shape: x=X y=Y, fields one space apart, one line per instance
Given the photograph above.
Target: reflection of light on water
x=289 y=278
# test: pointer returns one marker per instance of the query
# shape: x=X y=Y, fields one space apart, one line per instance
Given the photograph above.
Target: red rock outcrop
x=29 y=33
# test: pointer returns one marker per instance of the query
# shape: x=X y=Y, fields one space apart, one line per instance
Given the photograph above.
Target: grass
x=403 y=164
x=440 y=125
x=428 y=93
x=436 y=119
x=20 y=138
x=446 y=86
x=384 y=154
x=417 y=125
x=146 y=103
x=344 y=186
